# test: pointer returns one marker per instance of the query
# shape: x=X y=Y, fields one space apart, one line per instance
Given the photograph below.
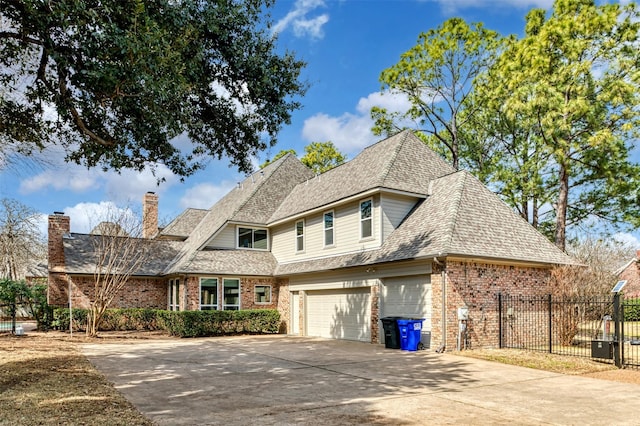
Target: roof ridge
x=276 y=165
x=393 y=157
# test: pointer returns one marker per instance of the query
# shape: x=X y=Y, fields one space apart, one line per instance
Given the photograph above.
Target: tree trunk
x=534 y=213
x=561 y=208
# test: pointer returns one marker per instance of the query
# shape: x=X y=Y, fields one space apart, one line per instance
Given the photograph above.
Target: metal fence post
x=550 y=318
x=616 y=341
x=500 y=320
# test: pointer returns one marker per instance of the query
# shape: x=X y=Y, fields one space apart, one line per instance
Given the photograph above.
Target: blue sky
x=346 y=44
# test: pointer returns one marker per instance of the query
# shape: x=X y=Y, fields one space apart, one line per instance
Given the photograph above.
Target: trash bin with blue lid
x=410 y=333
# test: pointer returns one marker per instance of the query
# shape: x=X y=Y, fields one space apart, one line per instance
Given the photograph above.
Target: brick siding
x=476 y=286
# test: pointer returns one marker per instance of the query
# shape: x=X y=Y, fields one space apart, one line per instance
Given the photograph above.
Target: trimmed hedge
x=177 y=323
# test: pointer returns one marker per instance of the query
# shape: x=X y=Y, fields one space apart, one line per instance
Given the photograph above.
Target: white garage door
x=407 y=297
x=339 y=314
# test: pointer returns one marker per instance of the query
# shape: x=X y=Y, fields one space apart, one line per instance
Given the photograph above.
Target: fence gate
x=630 y=333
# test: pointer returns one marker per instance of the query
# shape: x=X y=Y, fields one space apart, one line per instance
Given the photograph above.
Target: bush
x=632 y=310
x=61 y=318
x=176 y=323
x=217 y=323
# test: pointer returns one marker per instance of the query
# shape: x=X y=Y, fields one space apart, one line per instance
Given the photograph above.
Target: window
x=231 y=294
x=208 y=294
x=173 y=292
x=328 y=229
x=300 y=235
x=252 y=238
x=366 y=221
x=262 y=294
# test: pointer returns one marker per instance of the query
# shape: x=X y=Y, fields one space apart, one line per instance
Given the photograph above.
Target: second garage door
x=339 y=314
x=408 y=297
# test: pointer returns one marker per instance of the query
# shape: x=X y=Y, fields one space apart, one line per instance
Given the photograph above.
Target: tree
x=21 y=242
x=574 y=285
x=437 y=76
x=575 y=75
x=278 y=156
x=322 y=156
x=115 y=82
x=319 y=156
x=118 y=257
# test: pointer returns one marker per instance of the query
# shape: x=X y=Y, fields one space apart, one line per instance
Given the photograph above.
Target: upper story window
x=300 y=235
x=366 y=219
x=328 y=229
x=253 y=238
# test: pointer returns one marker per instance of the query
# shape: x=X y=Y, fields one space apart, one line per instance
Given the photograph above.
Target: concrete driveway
x=295 y=380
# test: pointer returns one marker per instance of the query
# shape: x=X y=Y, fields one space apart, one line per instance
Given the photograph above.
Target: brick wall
x=57 y=290
x=149 y=215
x=375 y=313
x=476 y=286
x=632 y=274
x=190 y=292
x=284 y=305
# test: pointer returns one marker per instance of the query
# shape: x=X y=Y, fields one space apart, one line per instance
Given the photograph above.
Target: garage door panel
x=339 y=314
x=407 y=297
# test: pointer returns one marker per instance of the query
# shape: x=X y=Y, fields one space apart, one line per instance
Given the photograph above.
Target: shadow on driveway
x=296 y=380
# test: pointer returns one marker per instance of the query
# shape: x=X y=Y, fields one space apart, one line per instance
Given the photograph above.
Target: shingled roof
x=81 y=255
x=184 y=224
x=253 y=201
x=460 y=217
x=401 y=162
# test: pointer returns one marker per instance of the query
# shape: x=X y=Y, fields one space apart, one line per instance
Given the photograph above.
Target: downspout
x=443 y=280
x=444 y=309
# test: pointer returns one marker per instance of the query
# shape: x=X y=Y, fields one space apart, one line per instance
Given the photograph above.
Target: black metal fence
x=8 y=313
x=592 y=327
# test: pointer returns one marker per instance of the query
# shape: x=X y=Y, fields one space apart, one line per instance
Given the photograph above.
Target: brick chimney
x=149 y=215
x=58 y=225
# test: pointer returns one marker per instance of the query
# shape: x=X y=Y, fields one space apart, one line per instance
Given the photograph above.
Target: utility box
x=602 y=349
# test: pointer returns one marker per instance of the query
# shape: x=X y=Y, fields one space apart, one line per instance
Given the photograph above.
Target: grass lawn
x=45 y=380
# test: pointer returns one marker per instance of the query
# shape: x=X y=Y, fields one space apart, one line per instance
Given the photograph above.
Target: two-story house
x=394 y=232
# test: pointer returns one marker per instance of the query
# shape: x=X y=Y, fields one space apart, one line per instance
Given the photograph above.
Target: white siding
x=394 y=209
x=346 y=234
x=225 y=238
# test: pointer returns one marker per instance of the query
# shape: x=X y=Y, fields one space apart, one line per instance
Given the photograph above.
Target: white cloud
x=348 y=132
x=304 y=25
x=204 y=195
x=85 y=216
x=351 y=132
x=131 y=185
x=64 y=178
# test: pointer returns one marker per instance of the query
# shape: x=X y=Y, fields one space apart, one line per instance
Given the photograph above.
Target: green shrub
x=61 y=318
x=176 y=323
x=217 y=323
x=632 y=310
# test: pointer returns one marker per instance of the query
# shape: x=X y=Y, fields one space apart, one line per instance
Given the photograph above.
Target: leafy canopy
x=574 y=78
x=114 y=82
x=437 y=75
x=319 y=156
